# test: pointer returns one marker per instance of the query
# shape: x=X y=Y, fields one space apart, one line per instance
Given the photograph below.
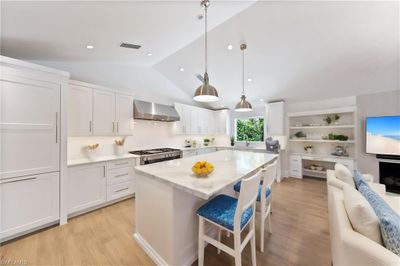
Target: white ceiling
x=60 y=31
x=296 y=50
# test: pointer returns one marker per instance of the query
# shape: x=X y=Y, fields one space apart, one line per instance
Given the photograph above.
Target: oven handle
x=162 y=159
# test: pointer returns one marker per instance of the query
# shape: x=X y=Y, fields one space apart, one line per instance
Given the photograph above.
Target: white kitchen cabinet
x=124 y=114
x=275 y=115
x=206 y=150
x=103 y=113
x=189 y=153
x=28 y=202
x=198 y=151
x=222 y=122
x=30 y=126
x=211 y=122
x=183 y=126
x=87 y=186
x=295 y=165
x=80 y=110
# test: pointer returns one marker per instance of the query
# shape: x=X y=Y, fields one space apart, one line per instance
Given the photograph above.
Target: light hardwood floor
x=104 y=237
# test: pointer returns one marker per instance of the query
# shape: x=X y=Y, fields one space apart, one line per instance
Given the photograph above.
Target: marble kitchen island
x=168 y=195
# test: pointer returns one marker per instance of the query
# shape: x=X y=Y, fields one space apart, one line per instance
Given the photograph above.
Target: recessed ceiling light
x=250 y=79
x=230 y=47
x=261 y=100
x=181 y=69
x=149 y=54
x=90 y=47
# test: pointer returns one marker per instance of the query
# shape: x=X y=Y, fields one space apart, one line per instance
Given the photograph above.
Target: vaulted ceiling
x=296 y=50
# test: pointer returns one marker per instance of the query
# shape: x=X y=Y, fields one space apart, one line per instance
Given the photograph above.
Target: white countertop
x=263 y=149
x=229 y=167
x=328 y=156
x=99 y=159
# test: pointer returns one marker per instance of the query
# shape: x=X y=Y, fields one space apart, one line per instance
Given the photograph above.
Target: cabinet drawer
x=295 y=160
x=189 y=153
x=119 y=175
x=295 y=172
x=120 y=164
x=120 y=190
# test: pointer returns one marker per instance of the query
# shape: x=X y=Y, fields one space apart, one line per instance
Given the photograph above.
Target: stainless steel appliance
x=157 y=155
x=154 y=111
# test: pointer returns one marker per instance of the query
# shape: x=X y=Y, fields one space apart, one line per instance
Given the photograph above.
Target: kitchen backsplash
x=146 y=135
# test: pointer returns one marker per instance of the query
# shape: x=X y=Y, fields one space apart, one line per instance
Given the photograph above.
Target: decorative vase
x=119 y=150
x=309 y=151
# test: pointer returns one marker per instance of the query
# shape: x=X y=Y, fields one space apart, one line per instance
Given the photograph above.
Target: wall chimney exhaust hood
x=154 y=111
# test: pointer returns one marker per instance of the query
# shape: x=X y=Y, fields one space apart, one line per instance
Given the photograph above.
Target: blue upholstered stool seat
x=221 y=210
x=236 y=187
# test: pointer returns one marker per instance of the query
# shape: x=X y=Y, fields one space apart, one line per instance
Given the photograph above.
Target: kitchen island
x=168 y=195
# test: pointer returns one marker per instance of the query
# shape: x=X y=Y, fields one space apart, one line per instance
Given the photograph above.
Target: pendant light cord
x=243 y=72
x=205 y=35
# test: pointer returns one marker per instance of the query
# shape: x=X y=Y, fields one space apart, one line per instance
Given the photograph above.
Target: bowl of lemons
x=202 y=168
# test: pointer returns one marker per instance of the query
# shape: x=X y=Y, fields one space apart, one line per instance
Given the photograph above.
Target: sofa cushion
x=389 y=220
x=344 y=174
x=361 y=215
x=358 y=179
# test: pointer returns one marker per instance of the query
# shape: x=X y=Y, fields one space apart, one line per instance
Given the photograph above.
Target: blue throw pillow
x=389 y=220
x=358 y=179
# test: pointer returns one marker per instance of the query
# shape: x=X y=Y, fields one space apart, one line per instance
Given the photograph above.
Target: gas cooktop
x=154 y=151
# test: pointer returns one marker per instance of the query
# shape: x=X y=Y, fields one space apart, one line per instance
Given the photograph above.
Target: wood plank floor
x=104 y=237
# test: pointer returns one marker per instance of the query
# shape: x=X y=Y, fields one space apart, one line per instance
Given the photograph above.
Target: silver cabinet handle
x=18 y=180
x=56 y=127
x=122 y=189
x=121 y=163
x=90 y=126
x=117 y=126
x=113 y=123
x=104 y=171
x=121 y=175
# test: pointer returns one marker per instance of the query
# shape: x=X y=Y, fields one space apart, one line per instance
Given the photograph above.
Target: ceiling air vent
x=130 y=45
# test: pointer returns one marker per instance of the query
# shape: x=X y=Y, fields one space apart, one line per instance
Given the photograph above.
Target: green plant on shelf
x=332 y=136
x=331 y=119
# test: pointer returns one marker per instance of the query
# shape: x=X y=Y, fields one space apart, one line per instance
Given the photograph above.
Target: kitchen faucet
x=246 y=139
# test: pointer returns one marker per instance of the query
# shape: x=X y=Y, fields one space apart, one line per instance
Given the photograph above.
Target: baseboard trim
x=149 y=250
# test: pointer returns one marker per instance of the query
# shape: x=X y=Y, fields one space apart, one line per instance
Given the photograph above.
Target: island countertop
x=229 y=167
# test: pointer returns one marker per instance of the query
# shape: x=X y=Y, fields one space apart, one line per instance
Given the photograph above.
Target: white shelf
x=322 y=141
x=321 y=127
x=314 y=173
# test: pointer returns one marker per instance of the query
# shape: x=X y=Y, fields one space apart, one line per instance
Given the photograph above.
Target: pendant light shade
x=206 y=92
x=243 y=105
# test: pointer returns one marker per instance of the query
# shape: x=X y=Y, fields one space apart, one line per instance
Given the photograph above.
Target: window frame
x=247 y=118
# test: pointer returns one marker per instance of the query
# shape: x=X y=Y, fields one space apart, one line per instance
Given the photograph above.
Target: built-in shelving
x=314 y=173
x=322 y=127
x=323 y=141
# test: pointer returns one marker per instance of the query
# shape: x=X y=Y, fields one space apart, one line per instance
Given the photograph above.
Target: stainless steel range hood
x=154 y=111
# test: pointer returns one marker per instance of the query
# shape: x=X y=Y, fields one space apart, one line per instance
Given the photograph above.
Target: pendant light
x=243 y=105
x=206 y=92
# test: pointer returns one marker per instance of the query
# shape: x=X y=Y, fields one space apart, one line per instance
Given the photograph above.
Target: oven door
x=157 y=160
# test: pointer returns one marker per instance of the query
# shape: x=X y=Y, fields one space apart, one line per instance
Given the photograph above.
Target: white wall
x=379 y=104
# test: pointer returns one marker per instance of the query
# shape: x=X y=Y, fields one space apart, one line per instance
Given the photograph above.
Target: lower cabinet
x=86 y=187
x=93 y=185
x=194 y=151
x=28 y=202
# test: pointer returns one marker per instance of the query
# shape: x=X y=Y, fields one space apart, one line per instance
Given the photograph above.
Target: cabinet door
x=87 y=187
x=29 y=127
x=103 y=112
x=80 y=111
x=210 y=123
x=194 y=121
x=124 y=114
x=28 y=202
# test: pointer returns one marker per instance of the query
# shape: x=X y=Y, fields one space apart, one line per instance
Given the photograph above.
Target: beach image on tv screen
x=383 y=135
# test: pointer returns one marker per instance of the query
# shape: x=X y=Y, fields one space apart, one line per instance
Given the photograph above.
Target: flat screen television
x=383 y=135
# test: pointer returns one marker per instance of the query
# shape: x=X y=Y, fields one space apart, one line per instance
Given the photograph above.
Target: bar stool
x=263 y=203
x=233 y=215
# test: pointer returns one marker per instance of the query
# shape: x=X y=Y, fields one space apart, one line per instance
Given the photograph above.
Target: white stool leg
x=253 y=242
x=269 y=223
x=238 y=253
x=262 y=228
x=219 y=239
x=201 y=242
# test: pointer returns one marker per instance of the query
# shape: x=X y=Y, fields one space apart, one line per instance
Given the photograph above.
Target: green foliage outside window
x=251 y=129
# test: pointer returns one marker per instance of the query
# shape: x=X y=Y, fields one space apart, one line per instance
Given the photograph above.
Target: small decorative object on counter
x=232 y=141
x=188 y=143
x=340 y=151
x=308 y=148
x=91 y=151
x=212 y=142
x=202 y=168
x=316 y=167
x=194 y=144
x=119 y=147
x=206 y=142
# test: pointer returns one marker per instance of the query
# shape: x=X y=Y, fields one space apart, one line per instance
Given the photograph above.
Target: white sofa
x=348 y=247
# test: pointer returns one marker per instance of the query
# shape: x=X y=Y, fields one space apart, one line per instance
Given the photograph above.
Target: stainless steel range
x=157 y=155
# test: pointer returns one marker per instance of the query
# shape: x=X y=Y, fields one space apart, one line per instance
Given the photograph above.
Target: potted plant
x=308 y=148
x=206 y=142
x=92 y=151
x=232 y=141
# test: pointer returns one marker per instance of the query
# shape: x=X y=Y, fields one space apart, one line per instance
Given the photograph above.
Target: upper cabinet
x=275 y=123
x=201 y=121
x=98 y=111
